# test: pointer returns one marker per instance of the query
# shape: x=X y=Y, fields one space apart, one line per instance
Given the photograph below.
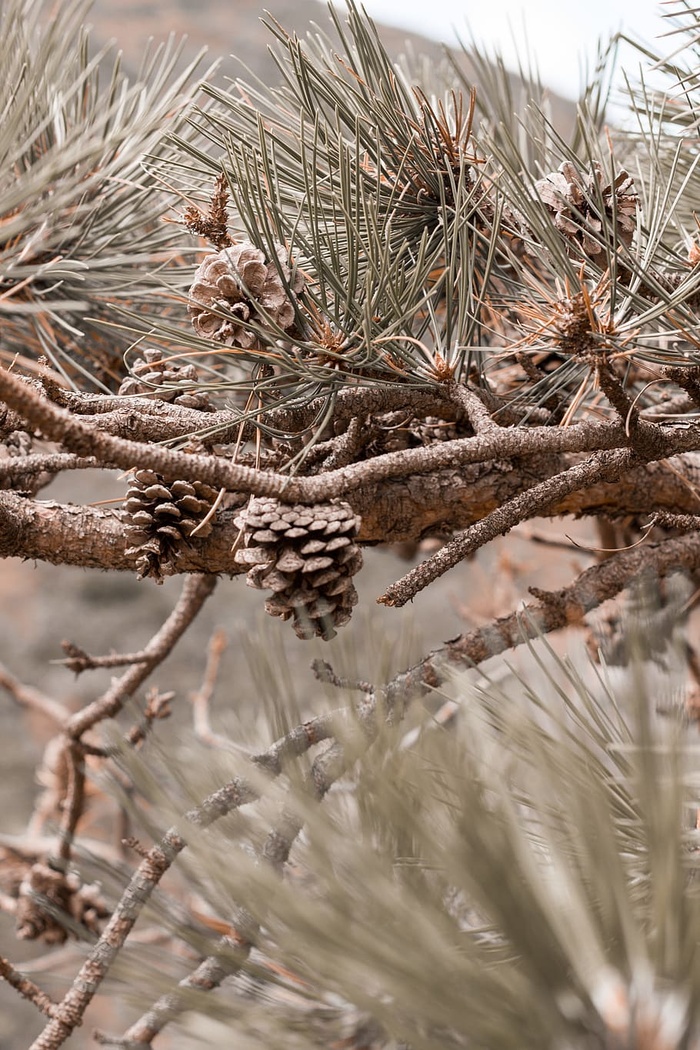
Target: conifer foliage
x=374 y=302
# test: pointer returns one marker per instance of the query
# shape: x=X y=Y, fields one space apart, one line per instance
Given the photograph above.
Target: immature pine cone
x=307 y=556
x=155 y=374
x=237 y=285
x=161 y=517
x=574 y=199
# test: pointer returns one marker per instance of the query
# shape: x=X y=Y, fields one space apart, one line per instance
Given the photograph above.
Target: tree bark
x=393 y=510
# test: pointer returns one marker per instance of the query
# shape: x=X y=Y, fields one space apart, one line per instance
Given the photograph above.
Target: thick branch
x=61 y=426
x=606 y=466
x=392 y=510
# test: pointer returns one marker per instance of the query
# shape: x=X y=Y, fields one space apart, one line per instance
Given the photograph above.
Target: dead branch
x=195 y=592
x=558 y=609
x=26 y=988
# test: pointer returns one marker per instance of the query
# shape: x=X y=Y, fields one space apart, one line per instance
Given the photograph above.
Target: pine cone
x=238 y=285
x=16 y=445
x=307 y=556
x=160 y=518
x=46 y=895
x=154 y=373
x=575 y=199
x=432 y=429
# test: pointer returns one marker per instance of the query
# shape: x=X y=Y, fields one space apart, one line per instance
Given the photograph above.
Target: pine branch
x=554 y=610
x=605 y=466
x=195 y=591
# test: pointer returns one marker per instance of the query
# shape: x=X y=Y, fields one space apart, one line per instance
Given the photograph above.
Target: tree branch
x=392 y=511
x=195 y=592
x=61 y=426
x=606 y=466
x=558 y=609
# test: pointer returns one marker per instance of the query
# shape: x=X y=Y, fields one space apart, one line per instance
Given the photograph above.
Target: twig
x=78 y=660
x=682 y=522
x=201 y=699
x=325 y=673
x=26 y=988
x=157 y=707
x=606 y=466
x=195 y=592
x=32 y=699
x=48 y=462
x=347 y=445
x=473 y=407
x=236 y=793
x=559 y=609
x=615 y=392
x=234 y=949
x=73 y=804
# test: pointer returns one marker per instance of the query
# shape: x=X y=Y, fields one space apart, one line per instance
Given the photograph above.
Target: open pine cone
x=578 y=201
x=160 y=517
x=155 y=374
x=238 y=285
x=307 y=556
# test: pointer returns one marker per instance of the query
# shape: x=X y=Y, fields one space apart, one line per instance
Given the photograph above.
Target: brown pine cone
x=160 y=517
x=307 y=556
x=238 y=285
x=579 y=201
x=156 y=374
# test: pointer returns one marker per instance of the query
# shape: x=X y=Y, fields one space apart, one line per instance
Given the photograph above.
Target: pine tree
x=386 y=307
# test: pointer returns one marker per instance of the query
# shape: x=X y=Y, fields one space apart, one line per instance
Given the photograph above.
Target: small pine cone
x=51 y=903
x=575 y=199
x=160 y=517
x=432 y=429
x=307 y=556
x=16 y=445
x=238 y=285
x=155 y=374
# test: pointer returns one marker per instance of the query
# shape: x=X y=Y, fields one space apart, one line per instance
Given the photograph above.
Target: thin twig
x=48 y=462
x=78 y=660
x=236 y=793
x=29 y=697
x=233 y=950
x=325 y=673
x=562 y=608
x=195 y=592
x=73 y=804
x=201 y=699
x=26 y=988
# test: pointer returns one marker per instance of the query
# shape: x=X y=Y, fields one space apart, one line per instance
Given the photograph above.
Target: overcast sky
x=561 y=32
